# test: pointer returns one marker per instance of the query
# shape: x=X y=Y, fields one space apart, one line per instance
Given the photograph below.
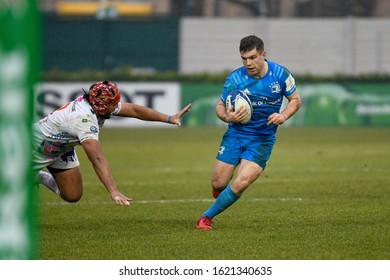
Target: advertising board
x=163 y=97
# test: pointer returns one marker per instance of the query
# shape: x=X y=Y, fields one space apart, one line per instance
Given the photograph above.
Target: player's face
x=110 y=109
x=254 y=62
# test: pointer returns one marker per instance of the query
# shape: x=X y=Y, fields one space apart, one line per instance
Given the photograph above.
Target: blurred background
x=337 y=51
x=166 y=53
x=309 y=36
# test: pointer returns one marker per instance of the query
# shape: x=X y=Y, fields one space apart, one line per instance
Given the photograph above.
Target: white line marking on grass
x=162 y=201
x=211 y=200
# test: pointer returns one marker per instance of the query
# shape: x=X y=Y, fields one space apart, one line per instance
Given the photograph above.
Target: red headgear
x=102 y=95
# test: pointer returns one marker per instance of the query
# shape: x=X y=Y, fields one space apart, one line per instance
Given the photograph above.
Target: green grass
x=324 y=195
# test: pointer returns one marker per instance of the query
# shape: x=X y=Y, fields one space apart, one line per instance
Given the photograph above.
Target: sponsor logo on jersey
x=246 y=91
x=290 y=82
x=264 y=100
x=87 y=119
x=74 y=107
x=94 y=129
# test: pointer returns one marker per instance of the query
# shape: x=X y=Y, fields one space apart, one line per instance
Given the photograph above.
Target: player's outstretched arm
x=175 y=119
x=102 y=168
x=131 y=110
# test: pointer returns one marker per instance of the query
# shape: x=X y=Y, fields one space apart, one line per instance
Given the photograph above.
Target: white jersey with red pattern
x=63 y=129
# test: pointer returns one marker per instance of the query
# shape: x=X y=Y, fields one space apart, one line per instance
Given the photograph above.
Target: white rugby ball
x=238 y=98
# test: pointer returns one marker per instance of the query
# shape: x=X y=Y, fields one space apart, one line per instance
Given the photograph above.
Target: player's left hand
x=276 y=119
x=175 y=119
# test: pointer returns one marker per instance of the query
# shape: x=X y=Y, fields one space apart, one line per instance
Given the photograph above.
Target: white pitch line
x=162 y=201
x=211 y=200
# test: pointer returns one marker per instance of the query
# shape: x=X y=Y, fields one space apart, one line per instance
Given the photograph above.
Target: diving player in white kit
x=79 y=123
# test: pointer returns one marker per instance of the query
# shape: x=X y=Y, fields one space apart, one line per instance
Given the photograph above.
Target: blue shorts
x=233 y=149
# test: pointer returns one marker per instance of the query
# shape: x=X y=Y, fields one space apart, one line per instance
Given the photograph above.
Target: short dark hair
x=250 y=42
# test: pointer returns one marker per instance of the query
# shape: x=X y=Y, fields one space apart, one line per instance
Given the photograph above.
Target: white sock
x=46 y=179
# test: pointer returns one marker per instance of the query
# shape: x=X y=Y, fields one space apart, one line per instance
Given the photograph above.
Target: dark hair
x=250 y=42
x=85 y=95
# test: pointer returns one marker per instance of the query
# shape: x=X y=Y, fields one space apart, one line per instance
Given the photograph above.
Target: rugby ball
x=238 y=98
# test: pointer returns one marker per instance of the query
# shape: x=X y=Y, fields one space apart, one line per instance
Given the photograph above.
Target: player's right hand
x=175 y=119
x=235 y=116
x=120 y=199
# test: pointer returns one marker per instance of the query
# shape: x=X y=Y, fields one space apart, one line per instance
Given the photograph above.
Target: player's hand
x=237 y=116
x=276 y=119
x=175 y=119
x=120 y=199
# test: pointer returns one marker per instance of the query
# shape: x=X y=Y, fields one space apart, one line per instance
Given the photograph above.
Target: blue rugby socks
x=224 y=200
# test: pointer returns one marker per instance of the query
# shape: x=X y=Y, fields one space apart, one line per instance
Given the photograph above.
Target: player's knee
x=71 y=197
x=217 y=183
x=241 y=184
x=245 y=182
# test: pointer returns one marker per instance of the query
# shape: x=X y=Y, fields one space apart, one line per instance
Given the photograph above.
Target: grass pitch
x=324 y=195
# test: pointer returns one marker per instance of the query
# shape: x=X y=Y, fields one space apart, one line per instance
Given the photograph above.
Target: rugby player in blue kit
x=249 y=146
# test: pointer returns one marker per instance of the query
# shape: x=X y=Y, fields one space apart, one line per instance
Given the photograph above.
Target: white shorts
x=67 y=160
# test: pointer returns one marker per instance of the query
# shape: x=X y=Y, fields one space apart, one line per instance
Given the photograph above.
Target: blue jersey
x=266 y=95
